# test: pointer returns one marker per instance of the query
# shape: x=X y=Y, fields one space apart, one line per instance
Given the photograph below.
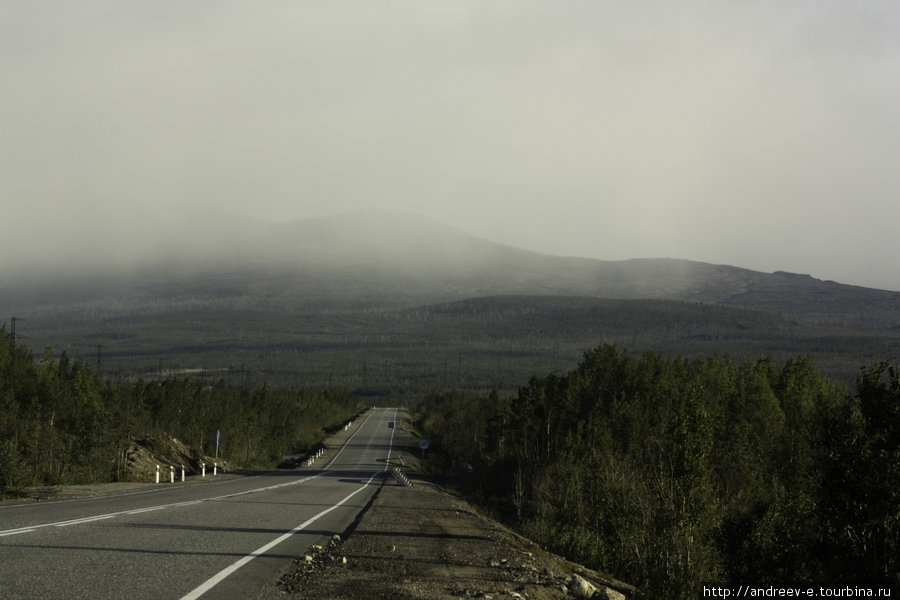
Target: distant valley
x=388 y=303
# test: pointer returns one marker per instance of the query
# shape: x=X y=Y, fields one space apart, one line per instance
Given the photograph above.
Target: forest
x=61 y=423
x=673 y=473
x=668 y=473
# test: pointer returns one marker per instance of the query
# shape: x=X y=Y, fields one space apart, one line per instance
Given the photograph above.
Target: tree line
x=61 y=423
x=672 y=474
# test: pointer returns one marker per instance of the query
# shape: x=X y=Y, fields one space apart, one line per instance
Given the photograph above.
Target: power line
x=12 y=330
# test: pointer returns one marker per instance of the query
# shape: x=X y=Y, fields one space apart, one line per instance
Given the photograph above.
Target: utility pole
x=12 y=330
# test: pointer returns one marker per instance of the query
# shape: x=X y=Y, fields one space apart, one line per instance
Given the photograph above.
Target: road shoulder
x=423 y=542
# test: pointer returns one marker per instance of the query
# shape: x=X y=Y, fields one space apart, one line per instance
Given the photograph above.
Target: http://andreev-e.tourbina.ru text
x=798 y=591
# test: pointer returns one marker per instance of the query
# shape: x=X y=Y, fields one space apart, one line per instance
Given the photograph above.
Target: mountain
x=322 y=300
x=387 y=259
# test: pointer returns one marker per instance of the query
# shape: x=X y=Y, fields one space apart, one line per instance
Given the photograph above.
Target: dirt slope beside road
x=422 y=542
x=409 y=542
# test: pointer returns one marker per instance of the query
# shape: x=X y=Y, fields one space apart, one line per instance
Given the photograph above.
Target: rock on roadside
x=421 y=542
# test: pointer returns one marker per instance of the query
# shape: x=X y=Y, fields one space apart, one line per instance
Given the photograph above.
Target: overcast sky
x=759 y=134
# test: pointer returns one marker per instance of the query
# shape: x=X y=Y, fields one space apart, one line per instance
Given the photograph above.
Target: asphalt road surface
x=220 y=540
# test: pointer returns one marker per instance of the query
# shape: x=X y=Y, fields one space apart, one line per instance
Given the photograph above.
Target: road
x=220 y=540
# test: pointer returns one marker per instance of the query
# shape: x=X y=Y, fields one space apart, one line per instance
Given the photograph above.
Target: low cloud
x=754 y=134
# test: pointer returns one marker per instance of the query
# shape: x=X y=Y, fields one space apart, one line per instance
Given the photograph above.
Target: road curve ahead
x=220 y=540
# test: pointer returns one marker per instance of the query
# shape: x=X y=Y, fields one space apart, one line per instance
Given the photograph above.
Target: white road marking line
x=349 y=439
x=387 y=462
x=268 y=487
x=15 y=531
x=31 y=528
x=143 y=510
x=101 y=517
x=221 y=575
x=218 y=577
x=84 y=520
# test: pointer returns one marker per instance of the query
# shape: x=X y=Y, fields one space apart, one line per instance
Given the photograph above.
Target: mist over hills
x=382 y=258
x=231 y=294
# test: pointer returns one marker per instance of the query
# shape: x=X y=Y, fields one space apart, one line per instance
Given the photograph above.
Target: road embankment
x=425 y=543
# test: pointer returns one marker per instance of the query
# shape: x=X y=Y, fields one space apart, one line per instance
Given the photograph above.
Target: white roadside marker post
x=157 y=473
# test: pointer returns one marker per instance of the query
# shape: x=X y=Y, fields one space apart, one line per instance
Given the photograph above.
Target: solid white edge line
x=221 y=575
x=31 y=528
x=349 y=439
x=218 y=577
x=387 y=462
x=15 y=532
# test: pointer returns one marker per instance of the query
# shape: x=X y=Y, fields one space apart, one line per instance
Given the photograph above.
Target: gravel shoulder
x=416 y=541
x=423 y=542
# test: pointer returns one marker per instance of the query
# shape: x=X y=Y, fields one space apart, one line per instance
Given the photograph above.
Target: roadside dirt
x=422 y=542
x=417 y=542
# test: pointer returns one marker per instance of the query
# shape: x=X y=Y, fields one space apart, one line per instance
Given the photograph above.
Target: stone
x=605 y=593
x=581 y=588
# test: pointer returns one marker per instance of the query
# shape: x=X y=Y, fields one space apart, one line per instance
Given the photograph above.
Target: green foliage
x=671 y=473
x=12 y=468
x=473 y=345
x=61 y=423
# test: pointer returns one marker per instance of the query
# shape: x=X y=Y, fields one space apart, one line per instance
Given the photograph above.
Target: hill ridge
x=392 y=259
